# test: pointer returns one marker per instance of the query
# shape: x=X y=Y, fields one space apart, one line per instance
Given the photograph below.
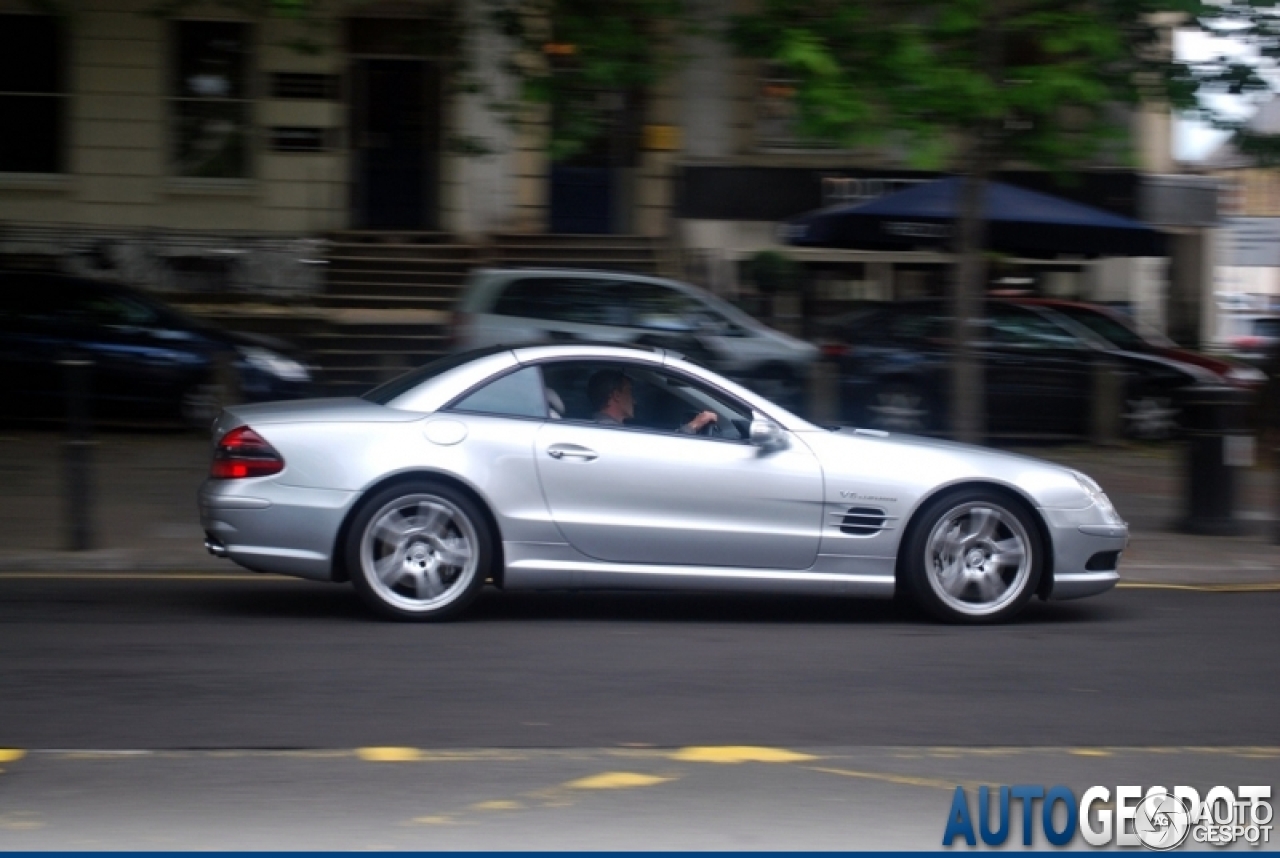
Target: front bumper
x=1086 y=552
x=268 y=527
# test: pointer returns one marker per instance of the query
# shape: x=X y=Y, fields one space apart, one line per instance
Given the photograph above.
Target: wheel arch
x=340 y=571
x=1013 y=493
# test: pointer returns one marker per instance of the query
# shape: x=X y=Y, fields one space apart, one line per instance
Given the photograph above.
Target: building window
x=210 y=107
x=32 y=94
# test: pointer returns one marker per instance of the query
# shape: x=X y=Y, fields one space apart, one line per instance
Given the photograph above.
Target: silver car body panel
x=640 y=509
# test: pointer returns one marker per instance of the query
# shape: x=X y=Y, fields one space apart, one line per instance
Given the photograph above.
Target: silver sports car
x=578 y=466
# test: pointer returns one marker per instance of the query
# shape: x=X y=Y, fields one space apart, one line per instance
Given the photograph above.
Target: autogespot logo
x=1159 y=819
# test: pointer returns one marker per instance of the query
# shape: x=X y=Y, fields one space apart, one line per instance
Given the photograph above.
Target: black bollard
x=1218 y=442
x=77 y=469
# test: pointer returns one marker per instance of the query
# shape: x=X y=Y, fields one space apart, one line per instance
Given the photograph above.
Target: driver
x=610 y=394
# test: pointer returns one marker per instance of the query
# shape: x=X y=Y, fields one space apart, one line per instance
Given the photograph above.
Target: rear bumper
x=268 y=527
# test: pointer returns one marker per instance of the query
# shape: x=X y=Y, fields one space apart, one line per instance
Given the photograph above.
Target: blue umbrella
x=1019 y=222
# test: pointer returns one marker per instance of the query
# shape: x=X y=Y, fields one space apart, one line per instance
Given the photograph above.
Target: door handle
x=571 y=451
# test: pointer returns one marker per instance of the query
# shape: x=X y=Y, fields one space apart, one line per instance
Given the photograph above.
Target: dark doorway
x=582 y=199
x=593 y=190
x=395 y=126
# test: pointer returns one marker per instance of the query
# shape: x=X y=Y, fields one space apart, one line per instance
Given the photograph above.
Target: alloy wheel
x=978 y=558
x=419 y=553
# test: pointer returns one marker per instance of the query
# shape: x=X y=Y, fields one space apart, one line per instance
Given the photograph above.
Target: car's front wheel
x=973 y=556
x=419 y=551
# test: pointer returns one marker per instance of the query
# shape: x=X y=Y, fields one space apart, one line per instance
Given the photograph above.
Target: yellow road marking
x=617 y=780
x=739 y=754
x=11 y=755
x=497 y=805
x=389 y=755
x=1264 y=587
x=1089 y=752
x=435 y=820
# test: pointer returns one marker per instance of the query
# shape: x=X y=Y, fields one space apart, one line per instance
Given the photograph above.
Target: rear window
x=402 y=384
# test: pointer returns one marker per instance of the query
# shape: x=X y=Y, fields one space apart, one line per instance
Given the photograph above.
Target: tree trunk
x=968 y=290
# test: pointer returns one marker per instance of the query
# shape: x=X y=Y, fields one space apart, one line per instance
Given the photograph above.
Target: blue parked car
x=149 y=361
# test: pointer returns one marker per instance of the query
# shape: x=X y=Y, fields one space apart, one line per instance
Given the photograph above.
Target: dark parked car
x=149 y=361
x=1126 y=335
x=894 y=368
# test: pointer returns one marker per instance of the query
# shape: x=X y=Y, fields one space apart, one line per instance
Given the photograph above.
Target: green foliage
x=773 y=272
x=965 y=82
x=585 y=57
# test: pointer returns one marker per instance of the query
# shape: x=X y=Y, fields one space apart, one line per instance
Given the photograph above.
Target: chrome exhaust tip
x=214 y=547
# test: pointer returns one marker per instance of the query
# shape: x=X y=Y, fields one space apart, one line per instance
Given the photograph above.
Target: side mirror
x=766 y=434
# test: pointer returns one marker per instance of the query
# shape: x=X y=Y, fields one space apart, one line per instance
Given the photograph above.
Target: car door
x=1038 y=374
x=648 y=494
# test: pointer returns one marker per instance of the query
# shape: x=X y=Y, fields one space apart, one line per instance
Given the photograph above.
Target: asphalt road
x=103 y=661
x=151 y=711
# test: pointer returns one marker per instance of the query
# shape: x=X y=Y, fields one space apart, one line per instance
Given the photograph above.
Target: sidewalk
x=144 y=509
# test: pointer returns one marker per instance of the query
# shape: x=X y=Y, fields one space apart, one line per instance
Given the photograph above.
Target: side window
x=663 y=308
x=563 y=299
x=519 y=394
x=919 y=326
x=652 y=399
x=1014 y=326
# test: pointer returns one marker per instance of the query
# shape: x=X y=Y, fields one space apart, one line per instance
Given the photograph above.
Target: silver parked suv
x=518 y=306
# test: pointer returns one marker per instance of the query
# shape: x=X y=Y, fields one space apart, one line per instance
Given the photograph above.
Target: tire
x=973 y=556
x=419 y=551
x=900 y=408
x=1151 y=416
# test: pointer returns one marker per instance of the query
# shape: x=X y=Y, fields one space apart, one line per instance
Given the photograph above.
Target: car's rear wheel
x=973 y=556
x=419 y=551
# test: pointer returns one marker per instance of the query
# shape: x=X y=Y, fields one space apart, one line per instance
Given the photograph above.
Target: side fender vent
x=863 y=521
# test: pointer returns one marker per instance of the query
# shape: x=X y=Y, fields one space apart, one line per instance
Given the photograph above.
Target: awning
x=1019 y=222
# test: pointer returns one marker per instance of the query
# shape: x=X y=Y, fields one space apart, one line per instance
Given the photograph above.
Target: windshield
x=1112 y=329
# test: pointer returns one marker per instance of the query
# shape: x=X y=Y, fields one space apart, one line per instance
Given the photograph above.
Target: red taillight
x=834 y=350
x=244 y=453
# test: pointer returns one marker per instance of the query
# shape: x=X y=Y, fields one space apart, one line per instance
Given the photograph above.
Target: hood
x=1217 y=366
x=939 y=444
x=887 y=463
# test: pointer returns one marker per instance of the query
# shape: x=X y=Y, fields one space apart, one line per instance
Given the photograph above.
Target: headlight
x=274 y=363
x=1246 y=375
x=1100 y=499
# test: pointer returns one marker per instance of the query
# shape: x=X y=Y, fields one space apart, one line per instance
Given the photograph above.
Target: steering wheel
x=708 y=430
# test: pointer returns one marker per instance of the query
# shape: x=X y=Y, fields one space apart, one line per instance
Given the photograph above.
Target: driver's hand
x=703 y=418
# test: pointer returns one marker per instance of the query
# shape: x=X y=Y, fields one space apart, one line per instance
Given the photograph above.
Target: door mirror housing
x=766 y=434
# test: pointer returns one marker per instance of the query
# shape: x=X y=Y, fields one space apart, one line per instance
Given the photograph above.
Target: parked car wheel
x=1151 y=416
x=900 y=408
x=973 y=557
x=419 y=551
